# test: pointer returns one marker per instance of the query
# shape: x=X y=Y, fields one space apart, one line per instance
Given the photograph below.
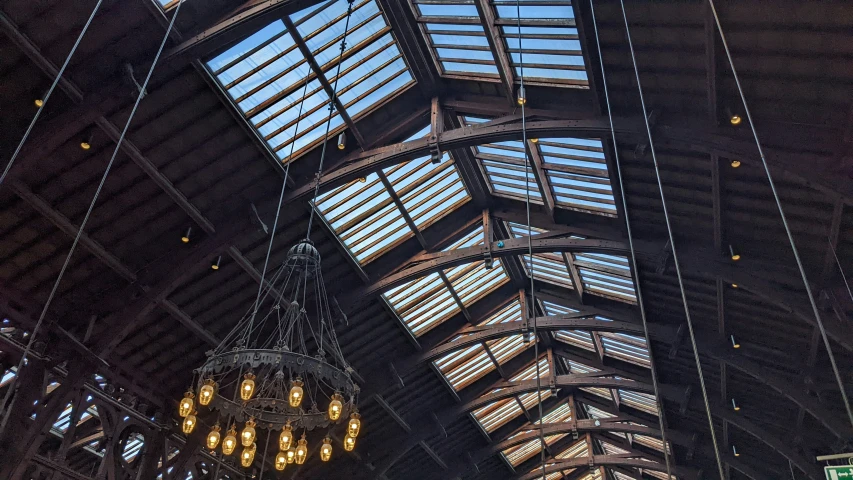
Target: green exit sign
x=843 y=472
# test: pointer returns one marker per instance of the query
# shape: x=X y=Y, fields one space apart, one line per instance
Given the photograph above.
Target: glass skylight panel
x=577 y=173
x=473 y=281
x=549 y=45
x=367 y=220
x=133 y=445
x=606 y=275
x=576 y=450
x=423 y=304
x=520 y=453
x=548 y=267
x=461 y=368
x=495 y=415
x=629 y=348
x=640 y=401
x=265 y=73
x=578 y=338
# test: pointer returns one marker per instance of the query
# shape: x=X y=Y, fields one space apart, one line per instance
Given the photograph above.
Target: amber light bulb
x=247 y=436
x=286 y=438
x=349 y=443
x=213 y=437
x=186 y=405
x=230 y=442
x=336 y=406
x=326 y=449
x=291 y=455
x=206 y=392
x=301 y=450
x=296 y=393
x=354 y=425
x=280 y=461
x=247 y=388
x=189 y=423
x=248 y=455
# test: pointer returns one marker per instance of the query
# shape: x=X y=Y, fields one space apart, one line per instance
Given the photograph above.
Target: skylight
x=367 y=219
x=603 y=275
x=495 y=415
x=461 y=368
x=457 y=36
x=265 y=73
x=550 y=47
x=577 y=174
x=425 y=303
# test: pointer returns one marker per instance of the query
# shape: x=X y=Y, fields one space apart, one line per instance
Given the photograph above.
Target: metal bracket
x=128 y=70
x=438 y=422
x=394 y=372
x=434 y=149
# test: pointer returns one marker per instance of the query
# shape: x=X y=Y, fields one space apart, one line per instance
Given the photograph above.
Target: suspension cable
x=77 y=237
x=659 y=400
x=522 y=99
x=782 y=214
x=49 y=92
x=329 y=122
x=672 y=245
x=840 y=269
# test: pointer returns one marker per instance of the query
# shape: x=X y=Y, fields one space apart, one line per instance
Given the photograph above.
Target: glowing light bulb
x=248 y=455
x=735 y=119
x=286 y=438
x=336 y=406
x=291 y=455
x=85 y=145
x=280 y=461
x=326 y=450
x=39 y=102
x=247 y=388
x=186 y=405
x=521 y=98
x=230 y=442
x=206 y=392
x=247 y=436
x=296 y=393
x=735 y=163
x=301 y=450
x=213 y=437
x=189 y=423
x=354 y=425
x=349 y=443
x=534 y=140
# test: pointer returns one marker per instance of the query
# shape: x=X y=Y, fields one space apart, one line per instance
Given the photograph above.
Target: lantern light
x=735 y=256
x=296 y=393
x=326 y=449
x=248 y=455
x=230 y=442
x=349 y=443
x=206 y=392
x=280 y=461
x=301 y=450
x=186 y=405
x=291 y=455
x=286 y=438
x=189 y=423
x=213 y=437
x=247 y=436
x=247 y=388
x=336 y=406
x=354 y=425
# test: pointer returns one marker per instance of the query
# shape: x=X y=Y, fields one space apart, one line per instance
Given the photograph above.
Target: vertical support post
x=552 y=371
x=488 y=235
x=525 y=315
x=436 y=128
x=575 y=274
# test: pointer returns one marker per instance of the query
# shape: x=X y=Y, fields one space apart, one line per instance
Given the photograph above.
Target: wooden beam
x=537 y=164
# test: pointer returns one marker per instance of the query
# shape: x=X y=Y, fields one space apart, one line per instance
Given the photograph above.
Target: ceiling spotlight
x=86 y=143
x=734 y=343
x=215 y=266
x=186 y=237
x=734 y=406
x=735 y=163
x=734 y=118
x=521 y=98
x=342 y=141
x=734 y=450
x=735 y=256
x=362 y=180
x=534 y=140
x=39 y=102
x=734 y=285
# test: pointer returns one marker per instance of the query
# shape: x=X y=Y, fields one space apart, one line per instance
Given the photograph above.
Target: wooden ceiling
x=151 y=307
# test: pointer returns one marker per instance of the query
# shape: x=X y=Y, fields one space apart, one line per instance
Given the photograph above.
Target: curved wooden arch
x=579 y=321
x=511 y=389
x=596 y=461
x=363 y=163
x=582 y=426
